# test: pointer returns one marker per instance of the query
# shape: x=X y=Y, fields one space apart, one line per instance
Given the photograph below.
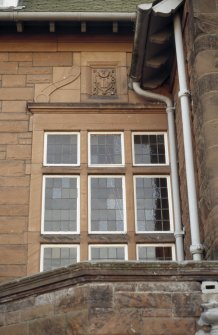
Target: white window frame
x=165 y=146
x=43 y=207
x=43 y=246
x=169 y=202
x=122 y=149
x=107 y=246
x=9 y=3
x=155 y=245
x=124 y=205
x=46 y=134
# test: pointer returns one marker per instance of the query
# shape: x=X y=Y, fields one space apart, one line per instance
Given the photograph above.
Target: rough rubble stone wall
x=202 y=46
x=154 y=308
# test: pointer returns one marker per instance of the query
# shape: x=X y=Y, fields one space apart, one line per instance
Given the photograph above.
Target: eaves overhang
x=153 y=47
x=74 y=22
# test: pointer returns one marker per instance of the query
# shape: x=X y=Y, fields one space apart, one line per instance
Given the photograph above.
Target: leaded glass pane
x=55 y=257
x=60 y=206
x=105 y=149
x=62 y=149
x=110 y=253
x=107 y=211
x=152 y=205
x=149 y=149
x=154 y=253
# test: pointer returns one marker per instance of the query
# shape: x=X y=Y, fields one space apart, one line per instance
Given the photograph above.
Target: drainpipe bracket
x=196 y=249
x=178 y=234
x=184 y=93
x=170 y=109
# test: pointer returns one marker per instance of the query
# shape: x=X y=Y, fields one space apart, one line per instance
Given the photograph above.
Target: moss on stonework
x=81 y=6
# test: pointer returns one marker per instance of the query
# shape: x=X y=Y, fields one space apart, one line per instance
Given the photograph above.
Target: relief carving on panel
x=66 y=77
x=104 y=82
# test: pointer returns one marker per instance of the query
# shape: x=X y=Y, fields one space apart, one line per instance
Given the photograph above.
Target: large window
x=106 y=197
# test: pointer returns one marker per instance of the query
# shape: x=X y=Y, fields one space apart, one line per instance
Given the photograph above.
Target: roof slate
x=127 y=6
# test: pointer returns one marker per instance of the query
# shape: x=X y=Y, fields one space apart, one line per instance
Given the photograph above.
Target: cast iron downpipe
x=196 y=247
x=173 y=163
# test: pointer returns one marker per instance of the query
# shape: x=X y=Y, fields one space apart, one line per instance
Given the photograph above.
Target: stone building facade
x=65 y=75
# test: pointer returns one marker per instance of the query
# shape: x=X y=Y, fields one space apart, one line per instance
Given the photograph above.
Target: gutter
x=16 y=16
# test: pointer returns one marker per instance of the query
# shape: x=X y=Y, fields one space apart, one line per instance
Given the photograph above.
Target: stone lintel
x=95 y=107
x=91 y=272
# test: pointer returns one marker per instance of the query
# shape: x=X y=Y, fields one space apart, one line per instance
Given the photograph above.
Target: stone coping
x=92 y=272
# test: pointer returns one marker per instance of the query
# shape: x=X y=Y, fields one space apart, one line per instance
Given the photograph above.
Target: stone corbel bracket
x=209 y=316
x=72 y=75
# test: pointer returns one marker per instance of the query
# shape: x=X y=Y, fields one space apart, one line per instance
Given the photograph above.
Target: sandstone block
x=48 y=326
x=20 y=304
x=19 y=151
x=71 y=300
x=14 y=106
x=13 y=81
x=186 y=305
x=41 y=78
x=12 y=254
x=20 y=56
x=8 y=138
x=12 y=225
x=4 y=56
x=12 y=317
x=12 y=239
x=14 y=117
x=14 y=181
x=12 y=126
x=207 y=83
x=108 y=322
x=36 y=312
x=206 y=62
x=210 y=134
x=20 y=329
x=11 y=168
x=77 y=323
x=204 y=7
x=8 y=67
x=25 y=141
x=36 y=70
x=101 y=296
x=163 y=326
x=53 y=59
x=16 y=93
x=14 y=210
x=2 y=155
x=143 y=300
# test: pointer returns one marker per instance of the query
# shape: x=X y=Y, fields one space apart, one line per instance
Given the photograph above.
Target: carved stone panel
x=104 y=82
